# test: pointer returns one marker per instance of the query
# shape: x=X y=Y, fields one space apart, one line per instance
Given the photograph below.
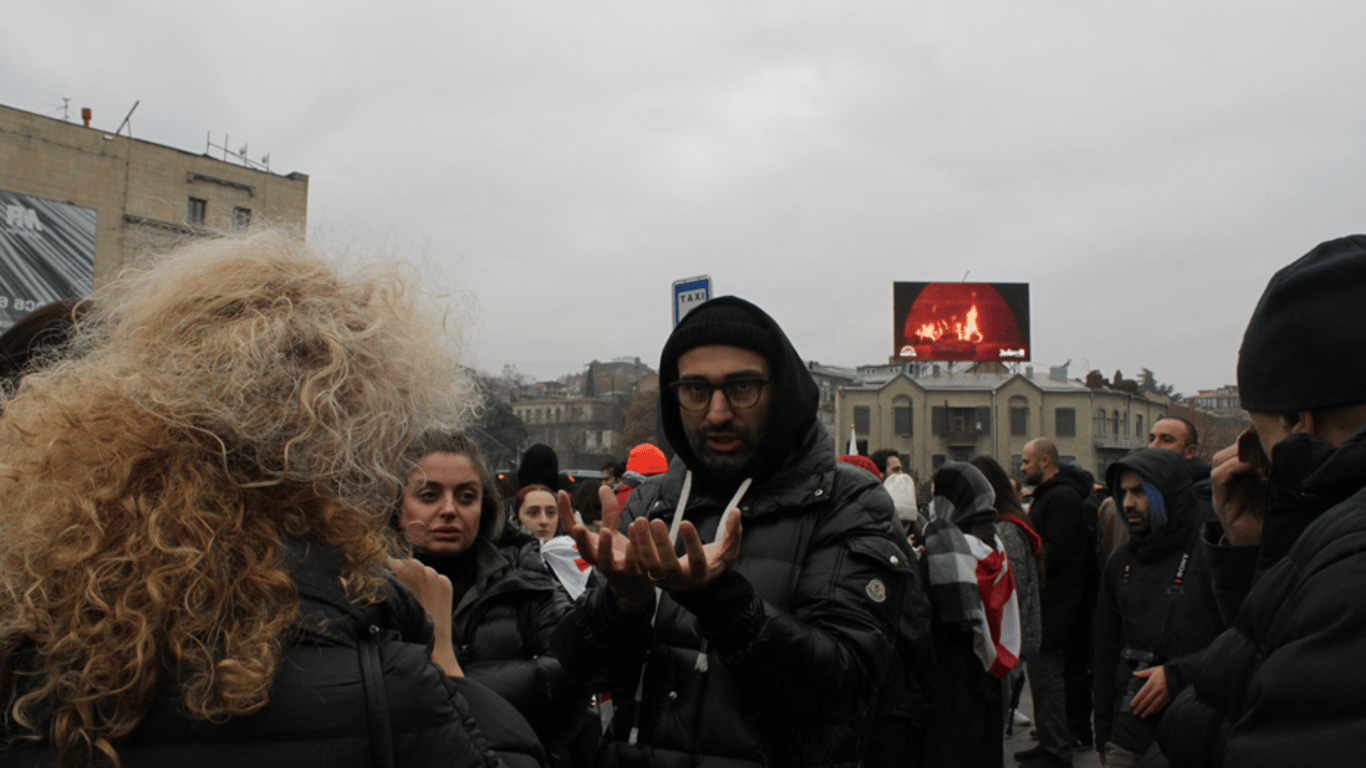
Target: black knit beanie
x=539 y=466
x=726 y=320
x=1303 y=347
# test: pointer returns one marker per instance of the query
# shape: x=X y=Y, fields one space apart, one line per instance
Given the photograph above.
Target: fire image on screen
x=961 y=321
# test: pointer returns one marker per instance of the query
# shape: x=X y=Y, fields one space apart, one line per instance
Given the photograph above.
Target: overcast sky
x=1145 y=165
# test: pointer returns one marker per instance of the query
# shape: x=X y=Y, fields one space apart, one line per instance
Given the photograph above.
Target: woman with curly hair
x=193 y=504
x=504 y=612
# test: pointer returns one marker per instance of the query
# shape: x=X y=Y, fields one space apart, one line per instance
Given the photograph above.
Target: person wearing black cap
x=761 y=648
x=1285 y=685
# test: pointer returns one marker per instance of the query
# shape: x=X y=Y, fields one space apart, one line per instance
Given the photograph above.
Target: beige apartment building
x=583 y=431
x=947 y=416
x=56 y=177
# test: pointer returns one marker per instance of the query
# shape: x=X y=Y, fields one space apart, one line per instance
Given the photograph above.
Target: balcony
x=963 y=437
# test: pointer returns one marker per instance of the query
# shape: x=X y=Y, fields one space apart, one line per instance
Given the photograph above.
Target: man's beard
x=728 y=463
x=1032 y=479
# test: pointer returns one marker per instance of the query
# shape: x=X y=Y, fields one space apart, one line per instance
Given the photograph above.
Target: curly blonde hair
x=238 y=391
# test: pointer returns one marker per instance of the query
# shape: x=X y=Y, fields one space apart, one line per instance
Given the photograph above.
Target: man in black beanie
x=1286 y=684
x=766 y=648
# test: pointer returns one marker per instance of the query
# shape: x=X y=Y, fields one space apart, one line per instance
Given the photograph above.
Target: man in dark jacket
x=766 y=650
x=1058 y=516
x=1156 y=608
x=1284 y=685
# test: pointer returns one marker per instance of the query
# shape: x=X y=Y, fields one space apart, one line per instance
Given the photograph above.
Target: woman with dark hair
x=39 y=335
x=504 y=614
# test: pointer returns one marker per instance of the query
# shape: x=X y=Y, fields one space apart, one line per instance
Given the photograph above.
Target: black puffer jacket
x=1068 y=544
x=792 y=681
x=353 y=685
x=1155 y=597
x=1284 y=685
x=502 y=628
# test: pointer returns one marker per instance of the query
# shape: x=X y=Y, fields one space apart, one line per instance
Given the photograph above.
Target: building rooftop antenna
x=65 y=109
x=240 y=155
x=126 y=118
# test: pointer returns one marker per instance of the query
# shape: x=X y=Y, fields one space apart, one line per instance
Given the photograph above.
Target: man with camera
x=1285 y=685
x=1155 y=608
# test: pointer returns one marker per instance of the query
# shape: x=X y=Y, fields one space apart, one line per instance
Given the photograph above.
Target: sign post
x=689 y=293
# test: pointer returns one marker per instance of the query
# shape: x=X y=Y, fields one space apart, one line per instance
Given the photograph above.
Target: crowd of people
x=240 y=523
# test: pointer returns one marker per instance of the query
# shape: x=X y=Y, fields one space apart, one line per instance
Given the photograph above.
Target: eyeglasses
x=740 y=393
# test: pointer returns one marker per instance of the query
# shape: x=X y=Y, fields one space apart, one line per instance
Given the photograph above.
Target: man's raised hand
x=609 y=552
x=703 y=562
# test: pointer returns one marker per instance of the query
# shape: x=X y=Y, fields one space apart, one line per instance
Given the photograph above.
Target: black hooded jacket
x=1284 y=685
x=1155 y=597
x=1068 y=542
x=778 y=661
x=502 y=627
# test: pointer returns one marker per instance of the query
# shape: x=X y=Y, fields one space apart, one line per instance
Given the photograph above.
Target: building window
x=862 y=419
x=1138 y=428
x=1019 y=421
x=937 y=460
x=1114 y=424
x=1016 y=463
x=1066 y=422
x=1100 y=423
x=241 y=218
x=901 y=418
x=196 y=210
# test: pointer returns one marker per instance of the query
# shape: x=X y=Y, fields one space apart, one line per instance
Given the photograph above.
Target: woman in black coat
x=191 y=568
x=504 y=610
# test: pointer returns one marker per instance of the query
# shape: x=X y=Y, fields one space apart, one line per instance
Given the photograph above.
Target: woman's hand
x=436 y=595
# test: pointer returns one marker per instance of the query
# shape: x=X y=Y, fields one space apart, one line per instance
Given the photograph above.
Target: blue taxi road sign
x=688 y=293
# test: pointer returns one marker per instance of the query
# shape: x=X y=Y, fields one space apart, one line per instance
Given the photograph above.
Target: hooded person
x=1155 y=612
x=976 y=624
x=765 y=647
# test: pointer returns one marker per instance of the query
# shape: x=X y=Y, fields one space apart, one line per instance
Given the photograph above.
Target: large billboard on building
x=960 y=321
x=47 y=253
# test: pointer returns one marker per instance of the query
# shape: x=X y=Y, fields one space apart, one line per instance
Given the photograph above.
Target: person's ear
x=1305 y=424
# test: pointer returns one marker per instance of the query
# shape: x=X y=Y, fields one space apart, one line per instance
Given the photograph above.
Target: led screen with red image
x=981 y=322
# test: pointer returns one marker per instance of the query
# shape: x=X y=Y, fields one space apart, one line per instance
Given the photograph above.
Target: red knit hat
x=647 y=460
x=862 y=462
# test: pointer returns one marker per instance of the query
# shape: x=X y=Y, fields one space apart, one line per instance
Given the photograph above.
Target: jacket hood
x=794 y=395
x=1071 y=476
x=963 y=496
x=1170 y=474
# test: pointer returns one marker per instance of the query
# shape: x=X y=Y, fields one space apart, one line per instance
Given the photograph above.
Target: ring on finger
x=654 y=576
